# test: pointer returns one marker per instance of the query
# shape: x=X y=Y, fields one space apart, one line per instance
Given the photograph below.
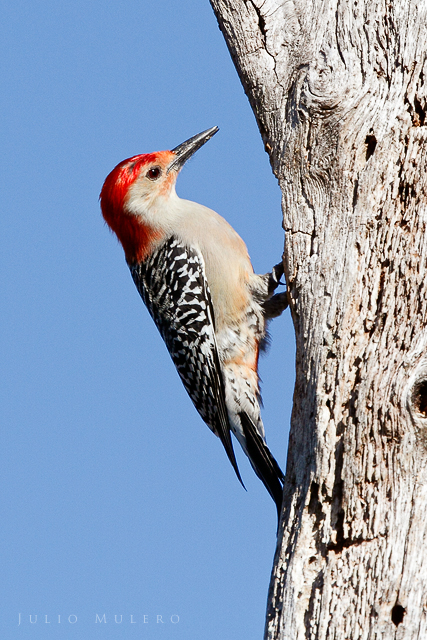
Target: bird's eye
x=154 y=173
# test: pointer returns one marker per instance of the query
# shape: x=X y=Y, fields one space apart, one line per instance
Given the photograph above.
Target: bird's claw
x=277 y=272
x=275 y=276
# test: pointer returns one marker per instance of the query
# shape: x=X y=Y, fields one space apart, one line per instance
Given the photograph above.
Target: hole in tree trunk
x=371 y=143
x=397 y=614
x=419 y=398
x=420 y=113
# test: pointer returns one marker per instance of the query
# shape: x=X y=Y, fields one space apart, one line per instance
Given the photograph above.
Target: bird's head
x=138 y=195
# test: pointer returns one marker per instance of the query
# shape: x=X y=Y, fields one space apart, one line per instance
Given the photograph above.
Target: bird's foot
x=274 y=306
x=275 y=277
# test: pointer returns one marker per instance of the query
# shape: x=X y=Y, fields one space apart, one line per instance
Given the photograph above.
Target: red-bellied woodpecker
x=195 y=276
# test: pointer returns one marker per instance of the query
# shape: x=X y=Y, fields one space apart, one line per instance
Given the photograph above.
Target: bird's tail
x=262 y=461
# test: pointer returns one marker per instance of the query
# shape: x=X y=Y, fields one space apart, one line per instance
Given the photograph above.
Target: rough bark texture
x=339 y=91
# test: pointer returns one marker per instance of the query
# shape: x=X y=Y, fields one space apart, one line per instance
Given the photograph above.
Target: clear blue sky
x=116 y=498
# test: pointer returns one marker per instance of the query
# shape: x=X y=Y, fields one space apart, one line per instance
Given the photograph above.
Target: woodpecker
x=194 y=274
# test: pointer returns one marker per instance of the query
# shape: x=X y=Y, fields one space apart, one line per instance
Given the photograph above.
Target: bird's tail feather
x=263 y=462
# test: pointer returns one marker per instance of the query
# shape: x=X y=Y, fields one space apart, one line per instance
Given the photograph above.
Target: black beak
x=186 y=149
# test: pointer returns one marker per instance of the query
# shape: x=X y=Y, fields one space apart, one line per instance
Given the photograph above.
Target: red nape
x=134 y=236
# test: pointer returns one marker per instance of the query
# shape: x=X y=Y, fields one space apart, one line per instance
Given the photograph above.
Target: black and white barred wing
x=173 y=286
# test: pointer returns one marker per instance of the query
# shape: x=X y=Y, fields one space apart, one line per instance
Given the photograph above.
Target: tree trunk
x=338 y=89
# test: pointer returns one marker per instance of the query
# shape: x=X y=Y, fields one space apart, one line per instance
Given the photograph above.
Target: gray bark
x=339 y=88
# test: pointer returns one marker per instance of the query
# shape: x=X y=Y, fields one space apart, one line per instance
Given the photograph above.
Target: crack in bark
x=337 y=40
x=261 y=23
x=295 y=231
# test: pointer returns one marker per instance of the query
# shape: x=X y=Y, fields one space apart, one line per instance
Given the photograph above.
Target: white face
x=152 y=196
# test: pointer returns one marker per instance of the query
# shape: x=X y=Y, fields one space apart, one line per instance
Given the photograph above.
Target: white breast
x=226 y=258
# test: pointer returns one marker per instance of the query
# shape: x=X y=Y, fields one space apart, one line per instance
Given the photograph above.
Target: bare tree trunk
x=339 y=91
